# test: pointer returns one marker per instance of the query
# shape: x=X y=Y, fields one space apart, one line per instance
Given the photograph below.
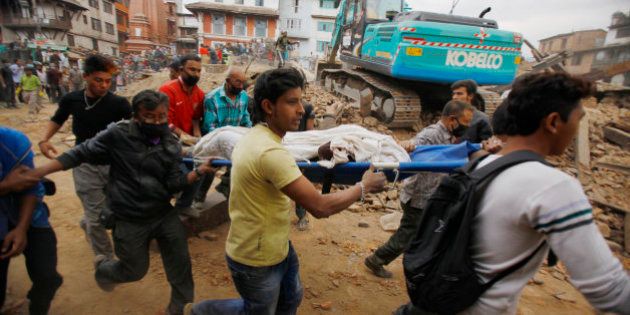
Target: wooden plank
x=626 y=232
x=617 y=136
x=582 y=144
x=604 y=203
x=615 y=167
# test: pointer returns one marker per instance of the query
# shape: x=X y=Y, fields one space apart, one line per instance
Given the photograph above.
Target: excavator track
x=395 y=105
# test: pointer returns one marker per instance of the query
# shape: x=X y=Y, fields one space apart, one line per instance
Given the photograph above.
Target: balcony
x=35 y=22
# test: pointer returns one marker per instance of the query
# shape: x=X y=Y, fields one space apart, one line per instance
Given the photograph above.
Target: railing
x=12 y=21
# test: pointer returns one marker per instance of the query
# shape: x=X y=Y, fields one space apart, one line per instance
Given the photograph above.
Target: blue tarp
x=426 y=158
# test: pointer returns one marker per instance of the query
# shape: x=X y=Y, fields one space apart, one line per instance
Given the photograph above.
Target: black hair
x=185 y=59
x=16 y=60
x=98 y=63
x=149 y=100
x=471 y=88
x=500 y=119
x=272 y=84
x=455 y=108
x=175 y=65
x=535 y=96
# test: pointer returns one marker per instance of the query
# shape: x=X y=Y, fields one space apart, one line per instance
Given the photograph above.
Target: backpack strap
x=514 y=267
x=505 y=162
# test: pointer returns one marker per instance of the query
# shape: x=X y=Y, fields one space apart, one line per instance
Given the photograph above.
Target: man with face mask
x=92 y=110
x=224 y=106
x=416 y=190
x=144 y=159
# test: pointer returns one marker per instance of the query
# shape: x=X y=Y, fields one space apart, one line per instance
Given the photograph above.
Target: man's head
x=97 y=72
x=464 y=90
x=174 y=69
x=456 y=116
x=28 y=71
x=18 y=62
x=235 y=81
x=278 y=99
x=547 y=105
x=150 y=111
x=190 y=70
x=284 y=33
x=500 y=121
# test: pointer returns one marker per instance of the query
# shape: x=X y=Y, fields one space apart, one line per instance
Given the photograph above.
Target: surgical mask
x=459 y=130
x=190 y=80
x=153 y=131
x=234 y=90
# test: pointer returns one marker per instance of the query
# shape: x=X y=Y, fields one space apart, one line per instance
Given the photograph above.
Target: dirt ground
x=331 y=257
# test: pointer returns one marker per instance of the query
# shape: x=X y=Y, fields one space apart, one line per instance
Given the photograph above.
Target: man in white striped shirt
x=531 y=203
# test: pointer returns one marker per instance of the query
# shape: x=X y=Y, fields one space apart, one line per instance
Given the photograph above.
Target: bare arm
x=15 y=241
x=45 y=146
x=304 y=193
x=196 y=129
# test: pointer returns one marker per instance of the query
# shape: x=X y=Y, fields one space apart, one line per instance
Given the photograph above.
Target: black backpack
x=438 y=267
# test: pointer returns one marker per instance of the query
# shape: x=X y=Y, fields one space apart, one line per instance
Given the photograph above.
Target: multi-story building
x=187 y=29
x=95 y=28
x=580 y=44
x=122 y=23
x=152 y=24
x=44 y=23
x=613 y=58
x=235 y=21
x=310 y=22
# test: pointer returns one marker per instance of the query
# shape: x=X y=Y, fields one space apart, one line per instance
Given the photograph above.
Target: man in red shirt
x=186 y=98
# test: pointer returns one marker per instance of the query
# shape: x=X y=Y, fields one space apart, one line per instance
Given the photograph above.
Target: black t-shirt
x=308 y=114
x=7 y=75
x=86 y=123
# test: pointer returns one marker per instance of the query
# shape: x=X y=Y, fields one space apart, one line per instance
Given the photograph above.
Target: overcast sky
x=535 y=19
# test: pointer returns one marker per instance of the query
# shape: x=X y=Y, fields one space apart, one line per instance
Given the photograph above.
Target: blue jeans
x=264 y=290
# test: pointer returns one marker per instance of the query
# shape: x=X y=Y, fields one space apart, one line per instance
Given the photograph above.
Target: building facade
x=310 y=22
x=187 y=29
x=235 y=21
x=95 y=28
x=580 y=44
x=44 y=23
x=122 y=23
x=613 y=59
x=152 y=23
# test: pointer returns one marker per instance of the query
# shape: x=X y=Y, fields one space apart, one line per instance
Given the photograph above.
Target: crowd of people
x=127 y=167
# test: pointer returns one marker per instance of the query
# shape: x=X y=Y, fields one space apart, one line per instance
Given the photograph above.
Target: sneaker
x=376 y=268
x=105 y=285
x=302 y=224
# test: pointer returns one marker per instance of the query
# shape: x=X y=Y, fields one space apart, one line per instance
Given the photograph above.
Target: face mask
x=190 y=80
x=154 y=130
x=459 y=130
x=234 y=90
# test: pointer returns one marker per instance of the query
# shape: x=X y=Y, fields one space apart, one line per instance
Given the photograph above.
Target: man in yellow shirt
x=265 y=178
x=31 y=86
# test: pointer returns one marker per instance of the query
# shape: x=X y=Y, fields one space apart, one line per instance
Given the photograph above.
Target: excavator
x=396 y=64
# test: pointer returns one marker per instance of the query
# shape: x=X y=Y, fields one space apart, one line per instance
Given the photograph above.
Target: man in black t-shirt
x=92 y=110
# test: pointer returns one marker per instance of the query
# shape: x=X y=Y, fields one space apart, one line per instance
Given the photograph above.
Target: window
x=296 y=5
x=109 y=28
x=623 y=32
x=107 y=7
x=325 y=26
x=576 y=60
x=93 y=3
x=260 y=3
x=218 y=24
x=293 y=24
x=84 y=19
x=114 y=51
x=238 y=2
x=378 y=8
x=240 y=26
x=327 y=4
x=70 y=40
x=260 y=27
x=321 y=45
x=96 y=25
x=94 y=44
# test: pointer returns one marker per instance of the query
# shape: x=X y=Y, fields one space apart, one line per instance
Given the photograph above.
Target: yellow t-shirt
x=260 y=212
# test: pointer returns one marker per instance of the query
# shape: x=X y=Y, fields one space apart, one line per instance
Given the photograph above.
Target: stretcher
x=425 y=158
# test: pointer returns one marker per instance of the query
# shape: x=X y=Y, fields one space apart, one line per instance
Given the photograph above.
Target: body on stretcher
x=425 y=158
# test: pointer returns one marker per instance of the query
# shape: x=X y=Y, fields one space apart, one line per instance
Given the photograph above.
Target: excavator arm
x=337 y=30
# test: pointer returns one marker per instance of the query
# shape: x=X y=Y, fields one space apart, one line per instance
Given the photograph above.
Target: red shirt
x=203 y=51
x=183 y=107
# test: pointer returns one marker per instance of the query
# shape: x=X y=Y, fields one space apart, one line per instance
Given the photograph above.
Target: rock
x=537 y=281
x=326 y=305
x=335 y=283
x=355 y=208
x=392 y=194
x=363 y=225
x=604 y=229
x=392 y=205
x=614 y=246
x=370 y=121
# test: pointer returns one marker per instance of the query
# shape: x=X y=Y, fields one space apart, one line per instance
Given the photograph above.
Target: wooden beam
x=615 y=167
x=617 y=136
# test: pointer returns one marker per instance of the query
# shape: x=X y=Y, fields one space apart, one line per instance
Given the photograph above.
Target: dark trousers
x=9 y=94
x=40 y=256
x=188 y=193
x=203 y=187
x=400 y=240
x=55 y=92
x=131 y=244
x=264 y=290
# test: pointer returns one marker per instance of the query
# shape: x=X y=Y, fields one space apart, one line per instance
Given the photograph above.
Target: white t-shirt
x=530 y=203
